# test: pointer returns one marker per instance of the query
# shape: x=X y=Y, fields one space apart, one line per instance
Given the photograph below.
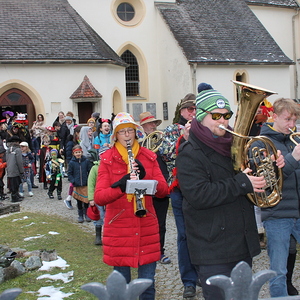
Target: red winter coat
x=128 y=240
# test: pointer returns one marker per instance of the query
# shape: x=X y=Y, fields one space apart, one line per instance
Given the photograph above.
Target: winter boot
x=290 y=269
x=80 y=216
x=15 y=197
x=98 y=240
x=50 y=194
x=85 y=216
x=45 y=186
x=59 y=197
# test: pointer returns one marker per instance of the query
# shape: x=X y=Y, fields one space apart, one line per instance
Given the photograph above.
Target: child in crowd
x=44 y=155
x=78 y=172
x=55 y=172
x=92 y=180
x=86 y=140
x=35 y=150
x=2 y=172
x=27 y=159
x=92 y=123
x=74 y=140
x=15 y=167
x=104 y=133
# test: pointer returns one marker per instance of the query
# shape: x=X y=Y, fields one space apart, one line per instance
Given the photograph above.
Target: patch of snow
x=34 y=237
x=52 y=293
x=48 y=265
x=65 y=277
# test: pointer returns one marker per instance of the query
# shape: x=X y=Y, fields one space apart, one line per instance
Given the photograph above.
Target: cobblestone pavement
x=168 y=283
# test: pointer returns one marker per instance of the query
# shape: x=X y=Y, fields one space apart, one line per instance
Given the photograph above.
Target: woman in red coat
x=129 y=240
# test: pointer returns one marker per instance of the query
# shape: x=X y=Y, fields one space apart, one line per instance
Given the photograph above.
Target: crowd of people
x=217 y=225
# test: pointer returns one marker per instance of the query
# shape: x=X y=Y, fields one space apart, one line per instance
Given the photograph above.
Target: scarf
x=221 y=144
x=71 y=127
x=123 y=151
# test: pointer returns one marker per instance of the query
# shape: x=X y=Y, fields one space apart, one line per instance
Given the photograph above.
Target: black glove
x=141 y=171
x=121 y=183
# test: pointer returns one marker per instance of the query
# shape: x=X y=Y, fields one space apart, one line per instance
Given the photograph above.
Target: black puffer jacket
x=220 y=221
x=288 y=207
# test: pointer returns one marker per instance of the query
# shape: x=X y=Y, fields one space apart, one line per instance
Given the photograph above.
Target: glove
x=121 y=183
x=141 y=171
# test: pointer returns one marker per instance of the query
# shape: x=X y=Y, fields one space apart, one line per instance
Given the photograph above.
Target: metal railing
x=242 y=285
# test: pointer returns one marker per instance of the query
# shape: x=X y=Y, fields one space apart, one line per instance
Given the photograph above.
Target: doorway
x=17 y=101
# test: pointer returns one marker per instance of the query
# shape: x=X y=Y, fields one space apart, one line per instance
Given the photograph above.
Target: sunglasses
x=218 y=116
x=191 y=109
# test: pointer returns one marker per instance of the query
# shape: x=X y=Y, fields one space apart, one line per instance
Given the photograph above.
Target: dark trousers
x=82 y=205
x=161 y=206
x=211 y=292
x=52 y=185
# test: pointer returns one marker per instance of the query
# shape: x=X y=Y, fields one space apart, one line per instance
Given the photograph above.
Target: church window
x=125 y=11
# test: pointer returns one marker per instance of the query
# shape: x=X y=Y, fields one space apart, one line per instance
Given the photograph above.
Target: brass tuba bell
x=249 y=99
x=153 y=140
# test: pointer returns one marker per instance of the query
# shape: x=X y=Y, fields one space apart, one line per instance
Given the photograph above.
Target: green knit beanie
x=208 y=100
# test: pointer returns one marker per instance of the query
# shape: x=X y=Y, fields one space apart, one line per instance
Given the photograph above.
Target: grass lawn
x=72 y=244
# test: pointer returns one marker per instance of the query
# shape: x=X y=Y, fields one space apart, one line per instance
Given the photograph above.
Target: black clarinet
x=139 y=194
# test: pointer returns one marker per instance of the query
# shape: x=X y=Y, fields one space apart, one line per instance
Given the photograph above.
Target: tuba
x=153 y=140
x=249 y=99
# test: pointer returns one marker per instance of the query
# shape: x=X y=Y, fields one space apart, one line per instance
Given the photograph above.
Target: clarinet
x=139 y=194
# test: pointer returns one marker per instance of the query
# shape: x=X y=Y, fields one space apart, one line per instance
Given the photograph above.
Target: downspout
x=194 y=78
x=295 y=53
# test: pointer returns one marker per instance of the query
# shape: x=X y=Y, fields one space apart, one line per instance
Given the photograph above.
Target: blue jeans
x=146 y=271
x=278 y=234
x=100 y=222
x=28 y=181
x=187 y=271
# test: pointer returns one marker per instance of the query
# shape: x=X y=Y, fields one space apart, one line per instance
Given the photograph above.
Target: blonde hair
x=287 y=104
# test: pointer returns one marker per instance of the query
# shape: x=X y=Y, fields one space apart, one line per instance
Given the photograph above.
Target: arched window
x=131 y=74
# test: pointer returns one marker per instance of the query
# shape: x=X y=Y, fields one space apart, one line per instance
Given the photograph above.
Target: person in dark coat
x=220 y=223
x=78 y=172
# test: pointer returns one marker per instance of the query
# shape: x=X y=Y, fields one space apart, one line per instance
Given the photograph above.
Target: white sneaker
x=30 y=194
x=21 y=194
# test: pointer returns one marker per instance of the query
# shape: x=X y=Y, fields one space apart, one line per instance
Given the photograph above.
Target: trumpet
x=140 y=210
x=297 y=134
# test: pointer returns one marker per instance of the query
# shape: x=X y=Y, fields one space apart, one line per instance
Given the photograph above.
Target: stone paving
x=168 y=283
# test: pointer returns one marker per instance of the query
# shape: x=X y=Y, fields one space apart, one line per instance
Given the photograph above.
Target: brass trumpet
x=153 y=140
x=297 y=134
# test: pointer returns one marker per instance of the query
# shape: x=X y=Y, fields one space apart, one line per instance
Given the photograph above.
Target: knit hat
x=95 y=115
x=14 y=139
x=125 y=118
x=68 y=118
x=209 y=99
x=147 y=117
x=187 y=101
x=53 y=150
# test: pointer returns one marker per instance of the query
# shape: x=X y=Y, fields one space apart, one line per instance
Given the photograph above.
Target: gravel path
x=168 y=283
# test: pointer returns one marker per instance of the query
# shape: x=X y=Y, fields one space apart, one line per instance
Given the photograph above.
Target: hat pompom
x=204 y=86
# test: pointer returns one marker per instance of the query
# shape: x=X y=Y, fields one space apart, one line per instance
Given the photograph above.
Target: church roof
x=37 y=31
x=221 y=32
x=86 y=90
x=279 y=3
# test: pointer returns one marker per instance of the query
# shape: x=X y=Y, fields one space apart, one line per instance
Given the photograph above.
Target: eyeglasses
x=191 y=109
x=123 y=131
x=218 y=116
